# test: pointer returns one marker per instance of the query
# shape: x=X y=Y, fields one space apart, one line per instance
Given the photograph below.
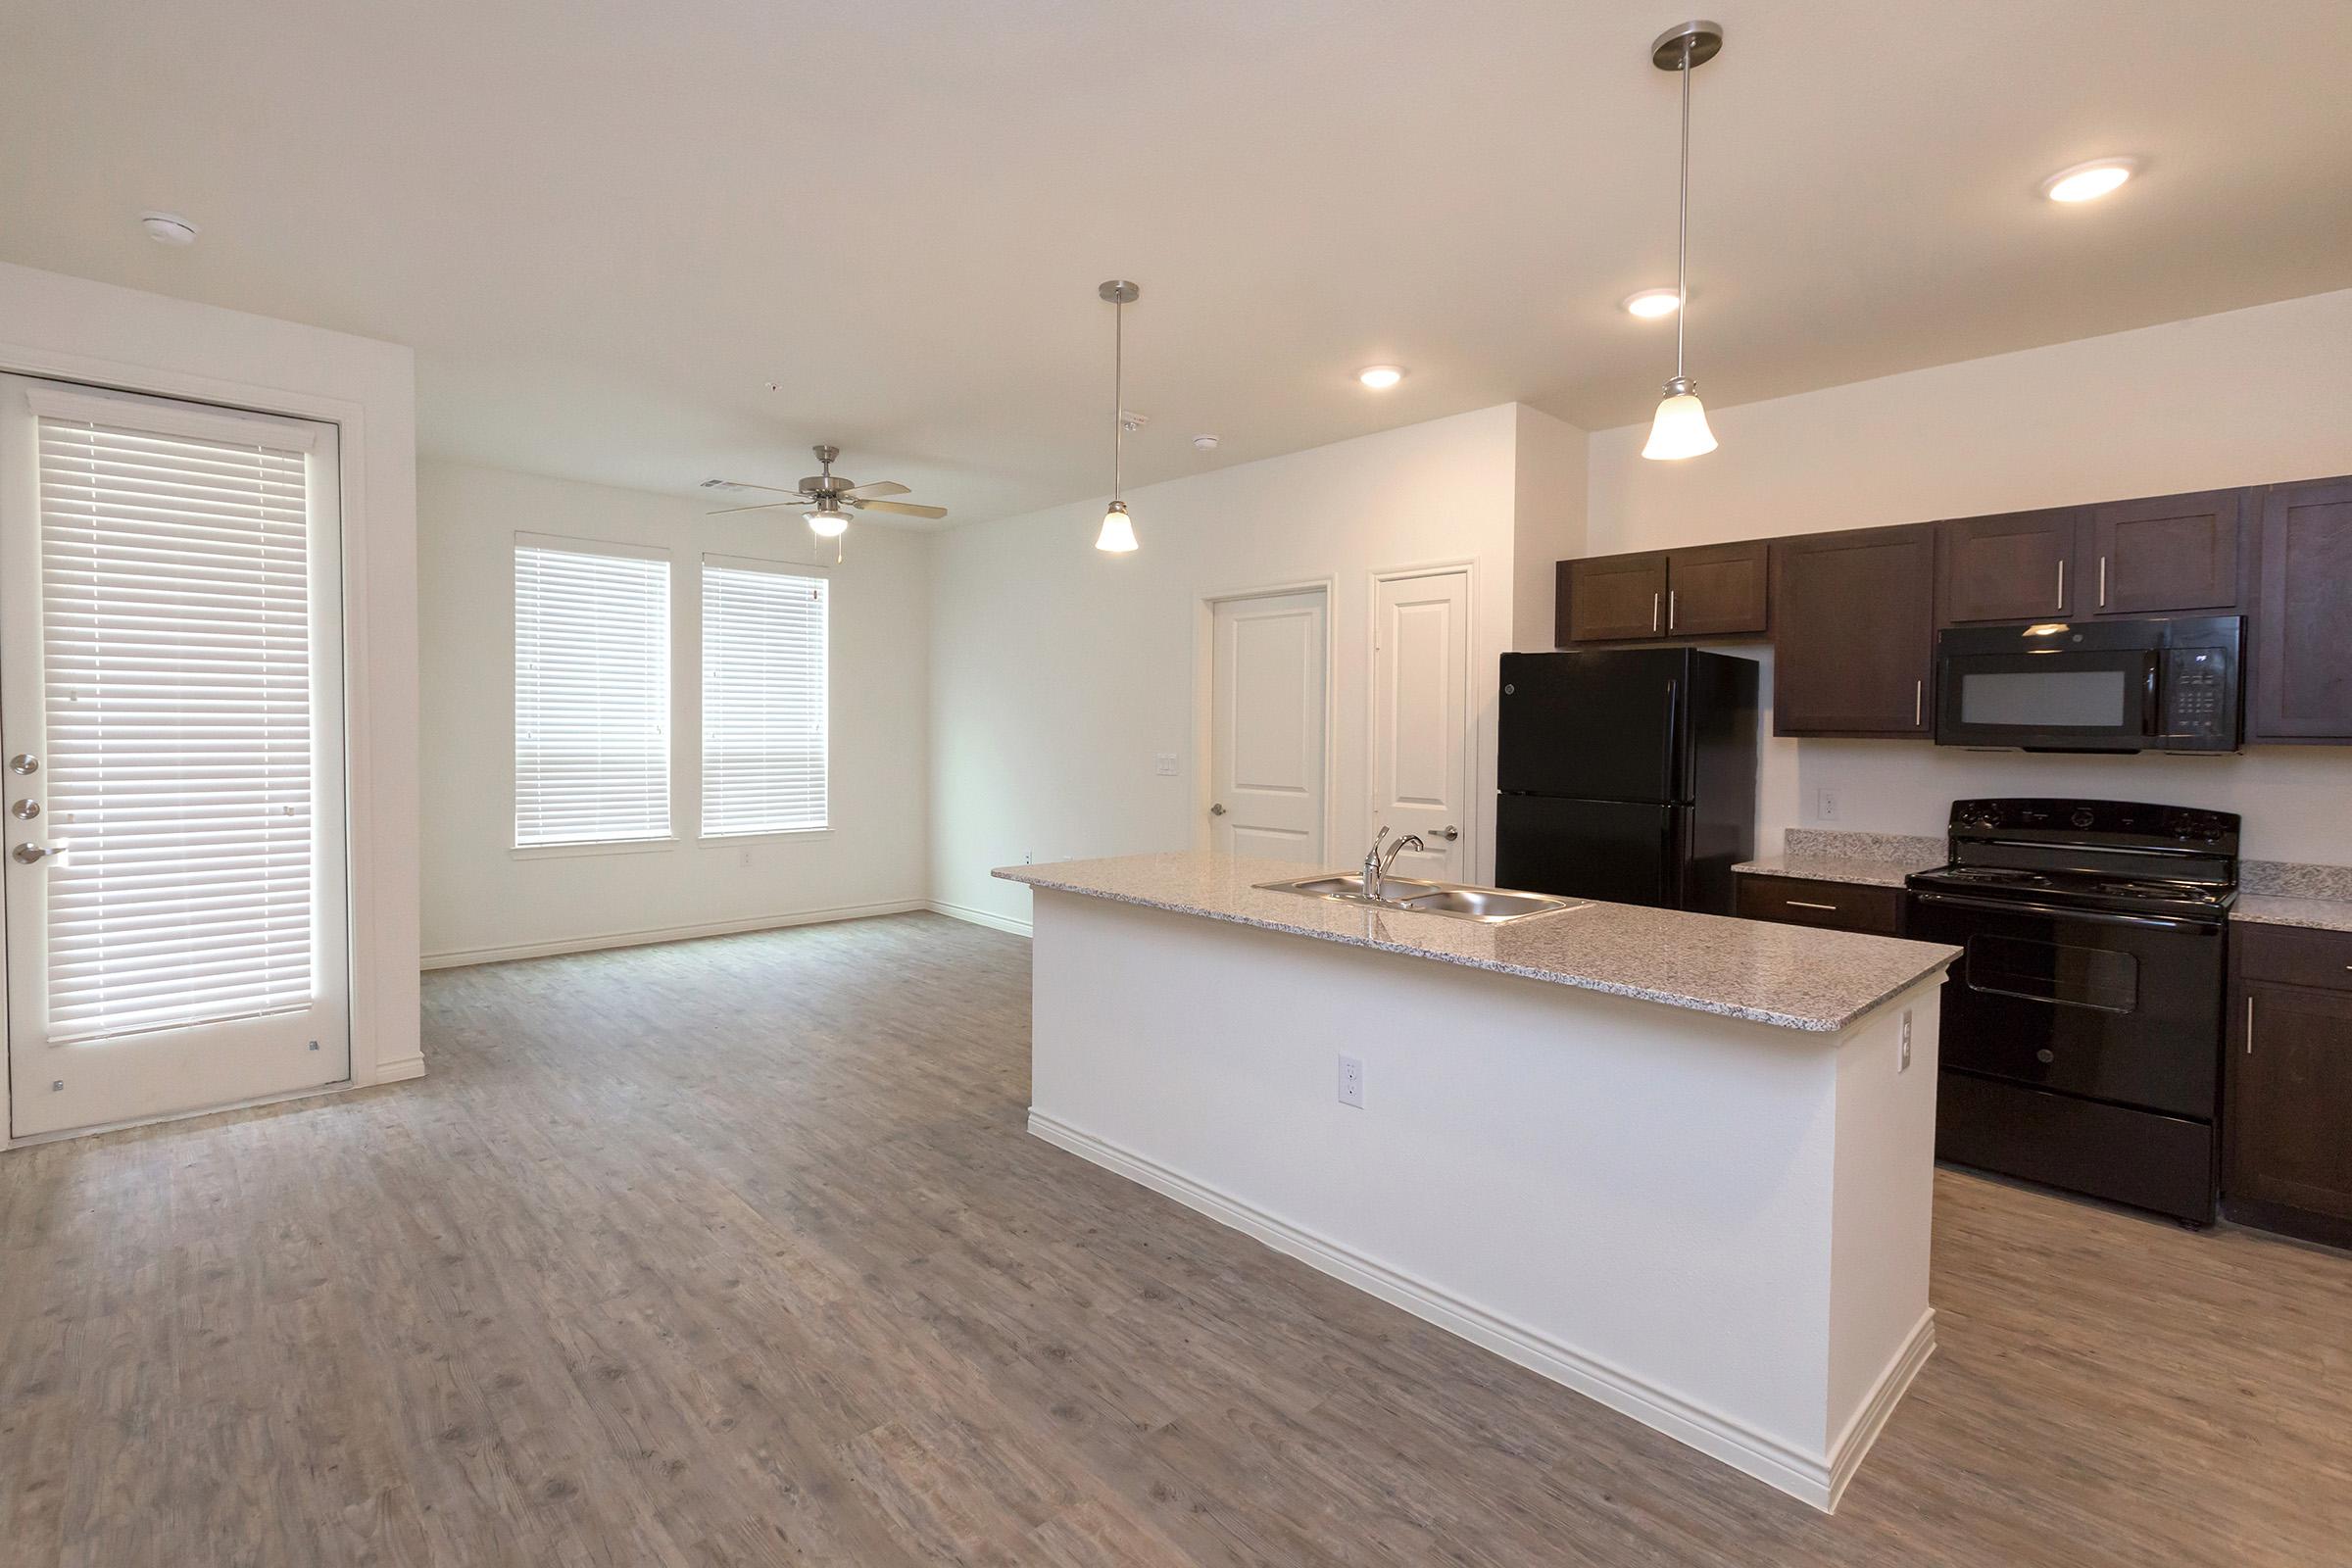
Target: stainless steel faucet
x=1376 y=864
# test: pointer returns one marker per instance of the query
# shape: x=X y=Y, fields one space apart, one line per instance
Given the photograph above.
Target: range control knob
x=2084 y=817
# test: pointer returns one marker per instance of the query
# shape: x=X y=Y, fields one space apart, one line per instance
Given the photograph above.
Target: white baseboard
x=400 y=1069
x=1817 y=1479
x=1893 y=1381
x=972 y=916
x=457 y=958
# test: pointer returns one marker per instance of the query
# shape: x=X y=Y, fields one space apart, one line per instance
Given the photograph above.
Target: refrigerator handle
x=1674 y=783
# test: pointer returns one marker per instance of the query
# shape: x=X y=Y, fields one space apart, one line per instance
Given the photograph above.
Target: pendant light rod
x=1680 y=428
x=1681 y=224
x=1118 y=530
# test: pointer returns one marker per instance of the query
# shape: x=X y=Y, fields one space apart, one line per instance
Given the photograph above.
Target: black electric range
x=2081 y=1032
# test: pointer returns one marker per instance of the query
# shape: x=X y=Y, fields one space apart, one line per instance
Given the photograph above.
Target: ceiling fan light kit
x=1680 y=429
x=1118 y=536
x=827 y=499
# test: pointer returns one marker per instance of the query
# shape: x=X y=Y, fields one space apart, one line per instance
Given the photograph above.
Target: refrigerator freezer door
x=1621 y=852
x=1594 y=726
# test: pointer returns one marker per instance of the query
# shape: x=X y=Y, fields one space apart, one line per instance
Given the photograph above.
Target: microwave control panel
x=2200 y=696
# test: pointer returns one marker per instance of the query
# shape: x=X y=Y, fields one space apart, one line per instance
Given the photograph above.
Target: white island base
x=1716 y=1226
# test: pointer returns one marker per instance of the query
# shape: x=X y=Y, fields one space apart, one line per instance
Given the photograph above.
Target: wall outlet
x=1829 y=805
x=1164 y=764
x=1352 y=1082
x=1902 y=1062
x=1028 y=857
x=744 y=859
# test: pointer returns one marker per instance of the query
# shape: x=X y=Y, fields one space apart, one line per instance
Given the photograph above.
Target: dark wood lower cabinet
x=1854 y=652
x=1832 y=905
x=2287 y=1121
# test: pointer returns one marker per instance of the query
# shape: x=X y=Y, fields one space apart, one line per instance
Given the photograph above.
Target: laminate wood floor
x=736 y=1251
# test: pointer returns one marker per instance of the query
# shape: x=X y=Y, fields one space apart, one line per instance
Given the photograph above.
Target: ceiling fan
x=827 y=499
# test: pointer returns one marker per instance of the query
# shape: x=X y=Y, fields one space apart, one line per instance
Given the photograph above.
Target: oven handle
x=2096 y=916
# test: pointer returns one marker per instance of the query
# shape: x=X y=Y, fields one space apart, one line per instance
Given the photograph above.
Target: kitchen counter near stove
x=1864 y=859
x=2318 y=897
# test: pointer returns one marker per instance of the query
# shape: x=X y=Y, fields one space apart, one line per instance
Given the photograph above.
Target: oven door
x=2120 y=1007
x=2074 y=700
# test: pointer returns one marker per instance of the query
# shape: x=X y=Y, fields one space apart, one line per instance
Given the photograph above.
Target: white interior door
x=1420 y=719
x=1267 y=717
x=172 y=716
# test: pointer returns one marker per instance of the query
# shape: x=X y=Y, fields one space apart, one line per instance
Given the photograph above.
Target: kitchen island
x=1680 y=1163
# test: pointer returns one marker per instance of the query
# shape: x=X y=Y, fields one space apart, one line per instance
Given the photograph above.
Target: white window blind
x=175 y=645
x=763 y=699
x=591 y=694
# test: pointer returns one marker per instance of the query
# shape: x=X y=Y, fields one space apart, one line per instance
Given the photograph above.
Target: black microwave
x=2171 y=685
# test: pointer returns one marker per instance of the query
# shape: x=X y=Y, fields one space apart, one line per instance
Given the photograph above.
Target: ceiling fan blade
x=880 y=487
x=903 y=509
x=745 y=485
x=764 y=506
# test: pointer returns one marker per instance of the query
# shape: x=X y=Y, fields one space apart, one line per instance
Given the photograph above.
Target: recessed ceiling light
x=1652 y=303
x=168 y=228
x=1381 y=377
x=2087 y=183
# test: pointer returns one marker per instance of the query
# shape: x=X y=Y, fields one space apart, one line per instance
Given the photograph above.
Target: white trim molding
x=971 y=916
x=458 y=958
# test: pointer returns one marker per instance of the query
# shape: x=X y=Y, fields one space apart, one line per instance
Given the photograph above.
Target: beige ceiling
x=606 y=226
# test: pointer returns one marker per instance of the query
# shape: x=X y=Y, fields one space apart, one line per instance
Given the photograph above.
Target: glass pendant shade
x=1118 y=534
x=1681 y=429
x=828 y=524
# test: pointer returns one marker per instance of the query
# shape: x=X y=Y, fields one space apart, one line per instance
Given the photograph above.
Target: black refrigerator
x=1627 y=776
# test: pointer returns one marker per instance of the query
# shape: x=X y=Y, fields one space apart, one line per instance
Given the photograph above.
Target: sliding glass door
x=172 y=719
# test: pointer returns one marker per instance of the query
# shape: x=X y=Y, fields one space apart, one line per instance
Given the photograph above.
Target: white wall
x=77 y=331
x=483 y=899
x=1058 y=671
x=2245 y=397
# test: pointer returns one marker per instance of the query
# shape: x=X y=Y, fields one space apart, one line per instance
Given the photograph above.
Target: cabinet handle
x=1919 y=700
x=2060 y=583
x=1670 y=610
x=1653 y=611
x=1801 y=904
x=2102 y=582
x=2250 y=1021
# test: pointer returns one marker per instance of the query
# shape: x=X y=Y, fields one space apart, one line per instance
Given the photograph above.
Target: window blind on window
x=763 y=699
x=176 y=660
x=591 y=694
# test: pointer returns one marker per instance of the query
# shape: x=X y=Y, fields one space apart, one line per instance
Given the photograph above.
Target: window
x=764 y=699
x=591 y=693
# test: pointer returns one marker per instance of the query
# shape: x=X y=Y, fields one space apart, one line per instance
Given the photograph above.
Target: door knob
x=1449 y=833
x=1217 y=809
x=30 y=854
x=25 y=763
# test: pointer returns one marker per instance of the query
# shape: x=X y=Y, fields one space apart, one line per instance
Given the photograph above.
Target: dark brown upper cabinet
x=1854 y=654
x=2019 y=566
x=2301 y=620
x=1705 y=591
x=1611 y=598
x=1719 y=590
x=2164 y=555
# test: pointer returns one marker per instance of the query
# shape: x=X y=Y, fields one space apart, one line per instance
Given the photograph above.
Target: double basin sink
x=1487 y=906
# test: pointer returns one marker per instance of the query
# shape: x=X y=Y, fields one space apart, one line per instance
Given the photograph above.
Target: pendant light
x=1119 y=529
x=1681 y=429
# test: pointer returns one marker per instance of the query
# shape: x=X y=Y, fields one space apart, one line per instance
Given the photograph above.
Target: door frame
x=365 y=929
x=1471 y=728
x=1204 y=663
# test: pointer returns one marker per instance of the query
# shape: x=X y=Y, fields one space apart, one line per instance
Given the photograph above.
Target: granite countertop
x=2262 y=908
x=1836 y=868
x=1792 y=977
